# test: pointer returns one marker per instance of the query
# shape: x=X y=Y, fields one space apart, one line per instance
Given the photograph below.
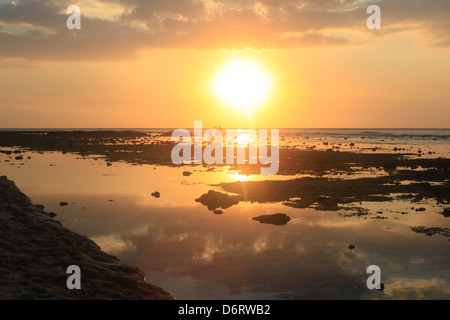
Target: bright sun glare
x=242 y=85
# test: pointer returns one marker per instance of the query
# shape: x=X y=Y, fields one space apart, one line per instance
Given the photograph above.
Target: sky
x=150 y=63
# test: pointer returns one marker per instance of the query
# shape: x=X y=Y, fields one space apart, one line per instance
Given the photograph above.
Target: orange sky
x=350 y=77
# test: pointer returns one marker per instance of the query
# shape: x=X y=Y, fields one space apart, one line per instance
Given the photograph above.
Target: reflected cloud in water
x=198 y=255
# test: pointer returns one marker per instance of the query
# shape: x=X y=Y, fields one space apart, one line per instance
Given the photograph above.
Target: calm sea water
x=394 y=132
x=195 y=254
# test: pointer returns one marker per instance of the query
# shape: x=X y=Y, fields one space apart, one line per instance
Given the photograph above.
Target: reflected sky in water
x=195 y=254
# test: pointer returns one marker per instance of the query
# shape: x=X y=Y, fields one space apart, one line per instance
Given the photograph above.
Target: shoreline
x=35 y=251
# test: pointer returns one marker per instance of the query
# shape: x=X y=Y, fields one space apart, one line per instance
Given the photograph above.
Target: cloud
x=17 y=64
x=206 y=24
x=143 y=10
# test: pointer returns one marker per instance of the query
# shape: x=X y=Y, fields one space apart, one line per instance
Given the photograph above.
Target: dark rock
x=446 y=213
x=351 y=247
x=214 y=200
x=218 y=212
x=187 y=173
x=156 y=194
x=420 y=209
x=109 y=164
x=63 y=204
x=432 y=231
x=277 y=219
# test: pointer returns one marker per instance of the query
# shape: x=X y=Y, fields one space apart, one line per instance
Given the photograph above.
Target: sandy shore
x=35 y=251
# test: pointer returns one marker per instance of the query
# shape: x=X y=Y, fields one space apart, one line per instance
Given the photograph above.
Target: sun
x=243 y=85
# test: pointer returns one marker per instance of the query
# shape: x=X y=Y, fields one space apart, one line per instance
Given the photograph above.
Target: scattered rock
x=351 y=247
x=218 y=212
x=63 y=204
x=277 y=219
x=109 y=164
x=420 y=209
x=52 y=214
x=187 y=173
x=446 y=213
x=432 y=231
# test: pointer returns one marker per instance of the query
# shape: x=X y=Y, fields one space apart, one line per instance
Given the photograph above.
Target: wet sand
x=35 y=251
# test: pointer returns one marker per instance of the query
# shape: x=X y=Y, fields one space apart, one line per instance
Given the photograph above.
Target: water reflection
x=197 y=255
